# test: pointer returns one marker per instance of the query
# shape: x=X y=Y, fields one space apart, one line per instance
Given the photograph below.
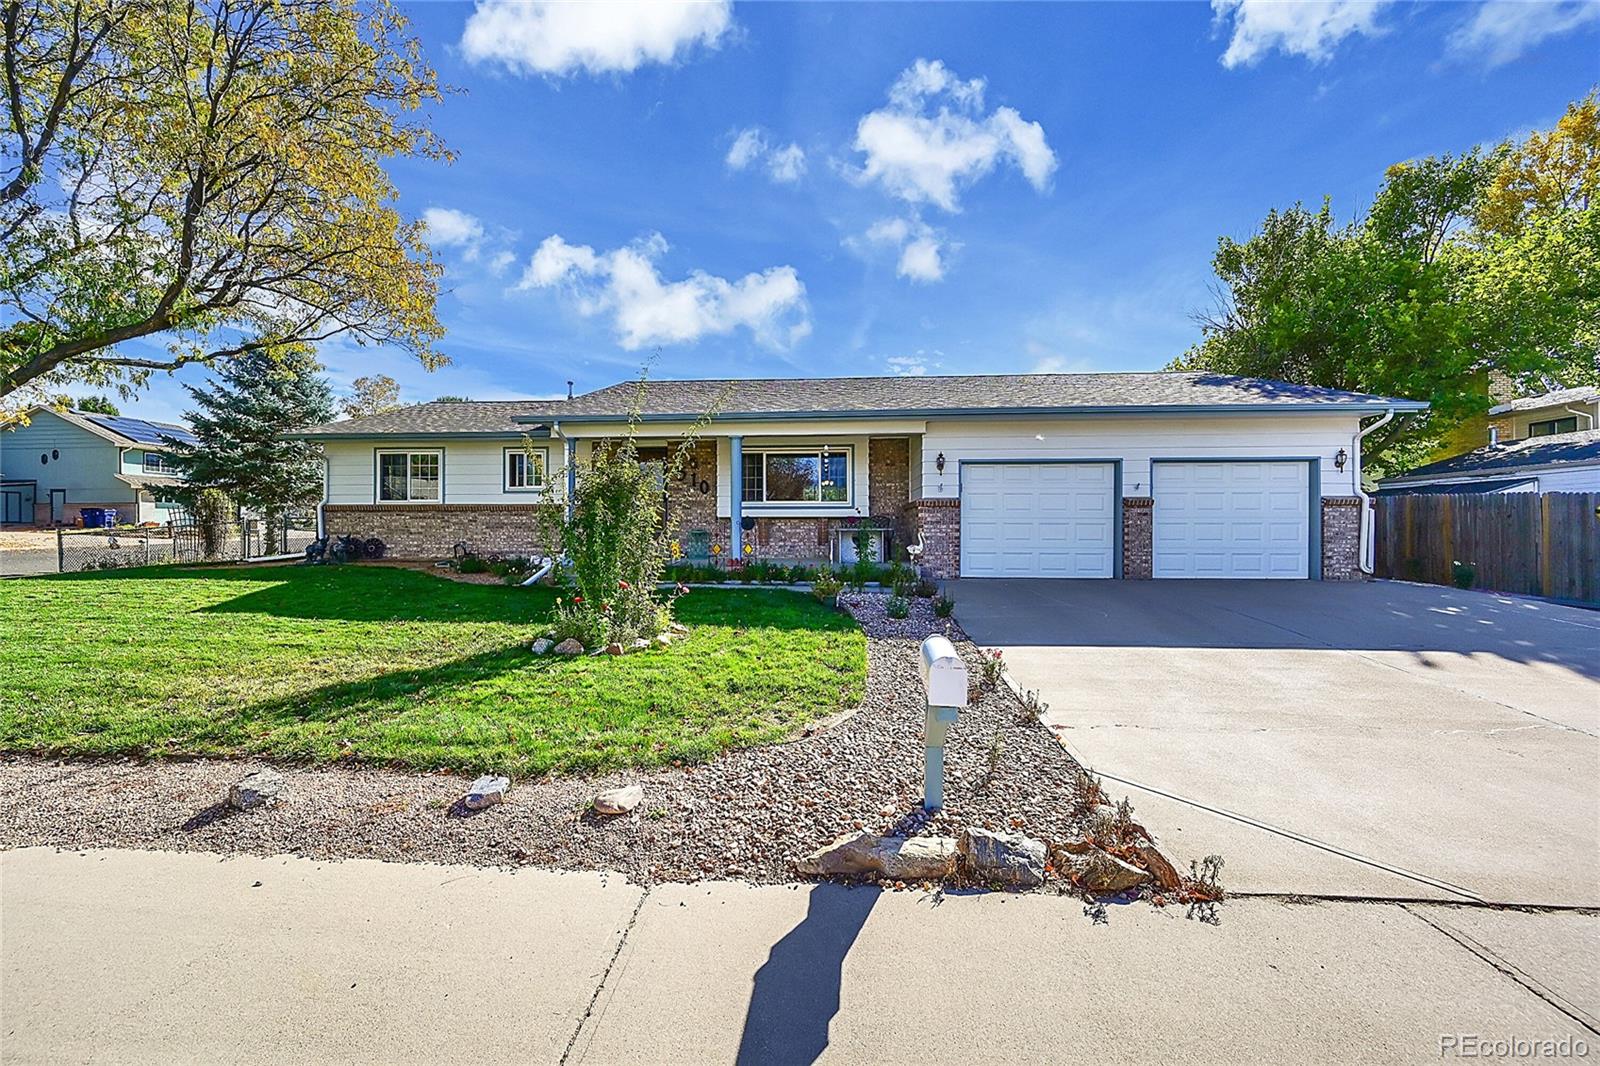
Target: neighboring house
x=1552 y=414
x=63 y=461
x=1563 y=462
x=1055 y=475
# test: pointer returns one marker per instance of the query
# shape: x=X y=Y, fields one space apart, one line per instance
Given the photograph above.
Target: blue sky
x=828 y=189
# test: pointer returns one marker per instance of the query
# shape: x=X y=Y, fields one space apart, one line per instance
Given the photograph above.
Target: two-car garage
x=1212 y=518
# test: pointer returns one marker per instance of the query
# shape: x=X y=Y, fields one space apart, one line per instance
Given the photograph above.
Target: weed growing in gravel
x=944 y=607
x=997 y=750
x=1090 y=794
x=994 y=668
x=1033 y=707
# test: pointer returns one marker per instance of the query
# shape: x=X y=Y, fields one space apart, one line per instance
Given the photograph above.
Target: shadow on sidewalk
x=796 y=991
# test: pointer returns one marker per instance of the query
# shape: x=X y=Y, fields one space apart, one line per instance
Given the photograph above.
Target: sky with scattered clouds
x=826 y=189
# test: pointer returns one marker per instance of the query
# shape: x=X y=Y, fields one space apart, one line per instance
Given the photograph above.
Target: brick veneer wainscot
x=1341 y=538
x=940 y=523
x=1138 y=551
x=431 y=531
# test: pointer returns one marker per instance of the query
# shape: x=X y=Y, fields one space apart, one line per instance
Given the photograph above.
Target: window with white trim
x=1551 y=426
x=156 y=463
x=410 y=477
x=797 y=475
x=524 y=469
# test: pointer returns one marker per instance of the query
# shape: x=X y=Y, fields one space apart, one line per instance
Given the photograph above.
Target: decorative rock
x=1009 y=858
x=1105 y=874
x=619 y=800
x=679 y=628
x=613 y=648
x=542 y=645
x=1165 y=874
x=486 y=791
x=663 y=640
x=1074 y=846
x=258 y=789
x=639 y=645
x=570 y=646
x=894 y=858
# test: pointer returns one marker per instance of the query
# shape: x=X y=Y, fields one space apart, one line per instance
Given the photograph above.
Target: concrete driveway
x=1378 y=740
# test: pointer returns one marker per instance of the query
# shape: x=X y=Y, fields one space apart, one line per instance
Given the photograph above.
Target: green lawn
x=396 y=666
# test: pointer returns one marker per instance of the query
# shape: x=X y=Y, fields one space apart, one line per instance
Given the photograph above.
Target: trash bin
x=99 y=517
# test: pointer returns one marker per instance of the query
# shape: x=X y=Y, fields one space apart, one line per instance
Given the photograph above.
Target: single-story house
x=1564 y=462
x=1052 y=475
x=62 y=461
x=1549 y=414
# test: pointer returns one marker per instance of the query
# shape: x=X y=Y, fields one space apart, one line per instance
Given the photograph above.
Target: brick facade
x=424 y=531
x=1341 y=538
x=1138 y=549
x=687 y=507
x=940 y=523
x=889 y=483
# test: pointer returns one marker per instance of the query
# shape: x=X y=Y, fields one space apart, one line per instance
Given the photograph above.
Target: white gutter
x=1365 y=553
x=1585 y=414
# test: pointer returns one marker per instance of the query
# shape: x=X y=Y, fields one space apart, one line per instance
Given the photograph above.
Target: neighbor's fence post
x=147 y=547
x=61 y=550
x=944 y=682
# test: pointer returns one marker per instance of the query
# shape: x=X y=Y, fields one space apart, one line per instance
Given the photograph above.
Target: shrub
x=927 y=588
x=472 y=564
x=212 y=511
x=898 y=607
x=1464 y=575
x=576 y=620
x=902 y=579
x=800 y=572
x=943 y=607
x=861 y=572
x=825 y=586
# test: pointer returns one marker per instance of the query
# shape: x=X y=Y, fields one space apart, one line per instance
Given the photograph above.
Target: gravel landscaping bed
x=748 y=814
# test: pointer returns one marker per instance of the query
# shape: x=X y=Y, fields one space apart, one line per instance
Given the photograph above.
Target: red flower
x=622 y=584
x=577 y=599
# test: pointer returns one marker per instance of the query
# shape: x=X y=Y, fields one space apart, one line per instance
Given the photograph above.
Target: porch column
x=736 y=498
x=572 y=473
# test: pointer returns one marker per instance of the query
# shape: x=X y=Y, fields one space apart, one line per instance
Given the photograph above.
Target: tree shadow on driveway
x=796 y=991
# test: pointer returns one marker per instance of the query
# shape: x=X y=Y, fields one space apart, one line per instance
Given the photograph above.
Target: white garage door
x=1231 y=519
x=1037 y=519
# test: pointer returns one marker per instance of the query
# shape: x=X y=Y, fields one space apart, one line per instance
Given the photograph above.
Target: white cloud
x=923 y=249
x=934 y=139
x=449 y=228
x=785 y=165
x=646 y=310
x=598 y=36
x=500 y=261
x=1503 y=30
x=1310 y=28
x=912 y=366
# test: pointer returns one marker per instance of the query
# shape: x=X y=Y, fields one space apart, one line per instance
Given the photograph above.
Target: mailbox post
x=944 y=682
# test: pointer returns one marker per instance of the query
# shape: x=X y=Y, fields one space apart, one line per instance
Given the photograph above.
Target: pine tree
x=241 y=420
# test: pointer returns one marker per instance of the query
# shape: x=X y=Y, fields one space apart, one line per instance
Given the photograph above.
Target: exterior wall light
x=1340 y=458
x=938 y=463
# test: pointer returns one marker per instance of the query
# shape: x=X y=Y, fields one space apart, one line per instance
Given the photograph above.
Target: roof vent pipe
x=1494 y=436
x=569 y=390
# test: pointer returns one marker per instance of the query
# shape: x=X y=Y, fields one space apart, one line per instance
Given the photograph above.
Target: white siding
x=1578 y=479
x=473 y=471
x=1135 y=440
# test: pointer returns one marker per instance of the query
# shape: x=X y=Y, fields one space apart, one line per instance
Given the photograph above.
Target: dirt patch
x=747 y=814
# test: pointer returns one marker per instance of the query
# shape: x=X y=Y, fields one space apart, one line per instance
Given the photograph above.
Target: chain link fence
x=64 y=551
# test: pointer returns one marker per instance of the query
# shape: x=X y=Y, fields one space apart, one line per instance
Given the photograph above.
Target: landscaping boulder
x=1009 y=858
x=542 y=645
x=619 y=800
x=640 y=645
x=570 y=646
x=663 y=640
x=893 y=858
x=486 y=791
x=1165 y=874
x=613 y=648
x=1104 y=874
x=258 y=789
x=1073 y=846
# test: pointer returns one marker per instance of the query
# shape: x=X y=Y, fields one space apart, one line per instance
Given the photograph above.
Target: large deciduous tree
x=205 y=176
x=371 y=396
x=241 y=419
x=1487 y=262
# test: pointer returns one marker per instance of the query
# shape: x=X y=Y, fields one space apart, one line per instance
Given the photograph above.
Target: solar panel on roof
x=141 y=430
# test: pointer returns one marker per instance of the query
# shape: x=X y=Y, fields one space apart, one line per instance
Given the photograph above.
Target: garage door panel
x=1239 y=519
x=1037 y=519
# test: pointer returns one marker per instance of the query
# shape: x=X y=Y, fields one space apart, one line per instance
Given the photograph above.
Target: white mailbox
x=944 y=674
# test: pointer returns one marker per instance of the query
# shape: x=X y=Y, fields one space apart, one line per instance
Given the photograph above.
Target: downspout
x=1585 y=414
x=1365 y=559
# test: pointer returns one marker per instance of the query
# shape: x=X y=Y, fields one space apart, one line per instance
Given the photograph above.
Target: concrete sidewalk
x=160 y=957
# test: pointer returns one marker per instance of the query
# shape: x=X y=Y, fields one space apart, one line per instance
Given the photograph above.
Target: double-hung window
x=524 y=469
x=796 y=475
x=1550 y=427
x=410 y=477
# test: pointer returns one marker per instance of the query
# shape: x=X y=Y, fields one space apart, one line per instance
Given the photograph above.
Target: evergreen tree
x=241 y=420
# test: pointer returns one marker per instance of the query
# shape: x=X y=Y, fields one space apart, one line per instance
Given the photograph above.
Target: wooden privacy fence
x=1543 y=545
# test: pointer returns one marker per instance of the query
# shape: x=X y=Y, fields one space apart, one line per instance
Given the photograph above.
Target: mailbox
x=944 y=674
x=944 y=680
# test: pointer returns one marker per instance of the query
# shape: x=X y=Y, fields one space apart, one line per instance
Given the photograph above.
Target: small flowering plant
x=994 y=666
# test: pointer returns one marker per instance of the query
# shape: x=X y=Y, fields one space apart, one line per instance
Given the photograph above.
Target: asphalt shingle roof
x=862 y=395
x=1559 y=398
x=1583 y=446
